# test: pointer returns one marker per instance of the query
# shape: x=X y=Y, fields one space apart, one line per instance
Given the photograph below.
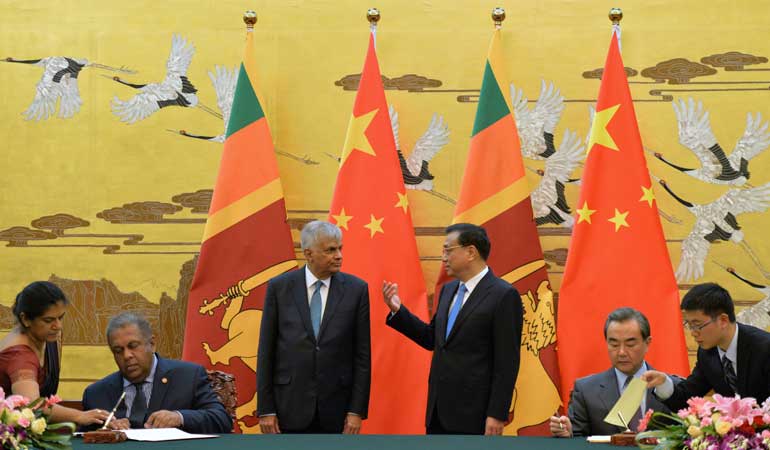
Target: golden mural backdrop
x=107 y=173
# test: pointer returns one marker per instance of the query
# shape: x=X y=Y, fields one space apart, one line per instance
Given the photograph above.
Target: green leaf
x=61 y=425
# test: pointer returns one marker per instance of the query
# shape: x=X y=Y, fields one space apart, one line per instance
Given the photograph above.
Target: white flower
x=13 y=417
x=28 y=414
x=38 y=426
x=723 y=427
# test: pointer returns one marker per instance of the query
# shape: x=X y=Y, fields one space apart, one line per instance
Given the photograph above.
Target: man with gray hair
x=160 y=393
x=627 y=332
x=314 y=358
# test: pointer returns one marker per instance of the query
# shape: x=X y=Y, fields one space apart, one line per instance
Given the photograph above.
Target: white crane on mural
x=536 y=126
x=717 y=168
x=224 y=81
x=549 y=203
x=414 y=168
x=716 y=221
x=758 y=314
x=175 y=89
x=59 y=83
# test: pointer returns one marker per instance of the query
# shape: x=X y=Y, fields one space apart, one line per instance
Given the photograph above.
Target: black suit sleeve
x=578 y=413
x=207 y=414
x=268 y=334
x=696 y=385
x=507 y=326
x=412 y=327
x=362 y=362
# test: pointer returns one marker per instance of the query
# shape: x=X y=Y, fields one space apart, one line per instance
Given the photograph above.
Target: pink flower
x=706 y=421
x=15 y=401
x=23 y=422
x=737 y=410
x=644 y=421
x=765 y=434
x=52 y=400
x=700 y=406
x=766 y=418
x=684 y=413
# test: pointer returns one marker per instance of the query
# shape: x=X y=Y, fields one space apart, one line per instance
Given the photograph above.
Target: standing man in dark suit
x=627 y=332
x=733 y=358
x=314 y=358
x=475 y=337
x=160 y=393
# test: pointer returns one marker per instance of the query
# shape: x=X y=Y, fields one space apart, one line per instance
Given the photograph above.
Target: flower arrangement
x=718 y=424
x=24 y=424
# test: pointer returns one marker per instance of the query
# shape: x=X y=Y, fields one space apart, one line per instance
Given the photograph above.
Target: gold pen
x=112 y=413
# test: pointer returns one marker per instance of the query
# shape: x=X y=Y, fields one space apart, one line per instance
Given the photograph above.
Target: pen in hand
x=112 y=413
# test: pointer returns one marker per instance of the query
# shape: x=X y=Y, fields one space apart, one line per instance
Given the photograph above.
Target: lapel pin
x=164 y=380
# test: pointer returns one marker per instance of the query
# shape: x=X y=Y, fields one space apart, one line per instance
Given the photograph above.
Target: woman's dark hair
x=36 y=298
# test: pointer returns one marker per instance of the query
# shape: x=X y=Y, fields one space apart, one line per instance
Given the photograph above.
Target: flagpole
x=250 y=19
x=373 y=16
x=498 y=15
x=616 y=15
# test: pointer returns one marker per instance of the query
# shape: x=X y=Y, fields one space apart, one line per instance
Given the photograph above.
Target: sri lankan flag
x=246 y=242
x=495 y=194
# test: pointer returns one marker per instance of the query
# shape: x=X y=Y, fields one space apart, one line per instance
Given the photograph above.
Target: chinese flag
x=371 y=206
x=246 y=242
x=495 y=194
x=617 y=255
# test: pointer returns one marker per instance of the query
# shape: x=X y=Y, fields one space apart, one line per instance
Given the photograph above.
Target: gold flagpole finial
x=373 y=16
x=250 y=19
x=616 y=15
x=498 y=15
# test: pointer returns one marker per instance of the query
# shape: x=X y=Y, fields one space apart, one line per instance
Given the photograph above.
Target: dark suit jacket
x=186 y=390
x=297 y=375
x=474 y=369
x=753 y=370
x=592 y=399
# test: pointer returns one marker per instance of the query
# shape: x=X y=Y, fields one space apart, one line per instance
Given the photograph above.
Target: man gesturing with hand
x=475 y=337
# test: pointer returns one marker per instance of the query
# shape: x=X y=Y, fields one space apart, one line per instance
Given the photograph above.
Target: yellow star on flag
x=647 y=195
x=619 y=219
x=356 y=138
x=374 y=225
x=584 y=214
x=403 y=201
x=342 y=219
x=599 y=133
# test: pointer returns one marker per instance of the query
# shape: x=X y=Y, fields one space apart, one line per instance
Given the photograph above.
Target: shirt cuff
x=181 y=418
x=665 y=390
x=350 y=413
x=268 y=415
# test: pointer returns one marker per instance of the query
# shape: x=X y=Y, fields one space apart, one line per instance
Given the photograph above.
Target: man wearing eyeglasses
x=733 y=358
x=475 y=337
x=627 y=332
x=314 y=357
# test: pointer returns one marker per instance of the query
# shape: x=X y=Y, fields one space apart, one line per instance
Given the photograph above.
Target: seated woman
x=29 y=354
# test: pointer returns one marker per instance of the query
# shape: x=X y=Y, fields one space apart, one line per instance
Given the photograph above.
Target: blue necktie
x=315 y=308
x=138 y=408
x=455 y=308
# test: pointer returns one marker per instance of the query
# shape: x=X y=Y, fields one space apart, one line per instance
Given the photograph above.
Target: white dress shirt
x=310 y=281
